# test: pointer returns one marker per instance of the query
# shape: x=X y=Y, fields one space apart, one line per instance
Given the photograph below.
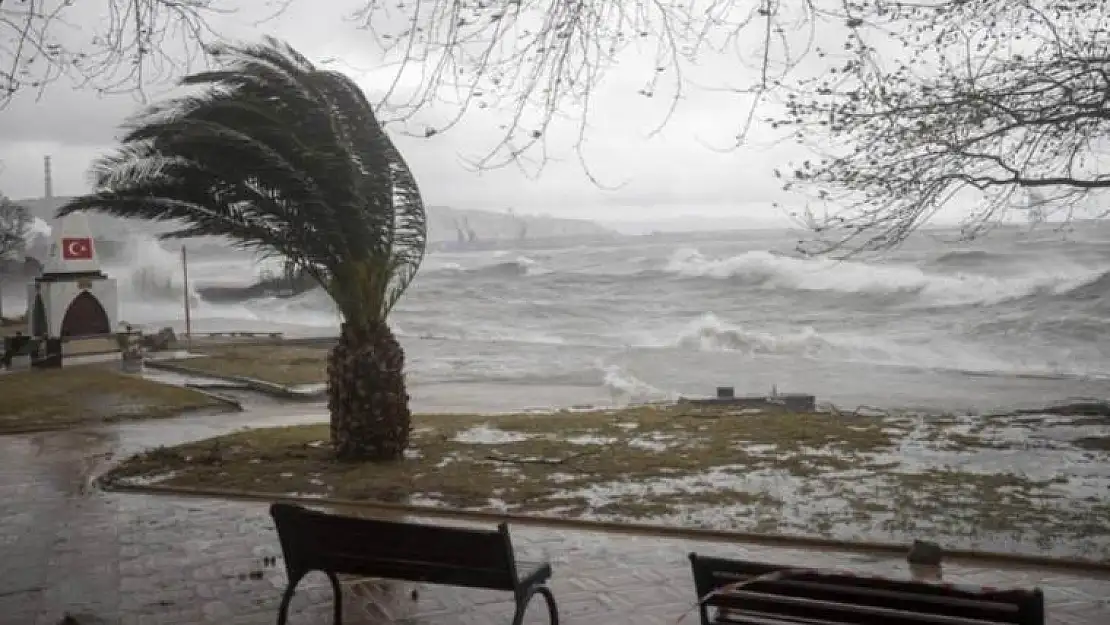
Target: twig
x=563 y=460
x=862 y=407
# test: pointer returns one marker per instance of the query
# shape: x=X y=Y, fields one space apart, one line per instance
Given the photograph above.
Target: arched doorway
x=38 y=317
x=85 y=317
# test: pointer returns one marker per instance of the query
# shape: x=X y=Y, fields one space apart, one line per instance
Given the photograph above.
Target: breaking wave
x=147 y=272
x=519 y=266
x=709 y=333
x=497 y=317
x=1096 y=289
x=624 y=387
x=968 y=258
x=772 y=271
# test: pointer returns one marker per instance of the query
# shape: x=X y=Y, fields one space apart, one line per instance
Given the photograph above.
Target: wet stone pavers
x=144 y=559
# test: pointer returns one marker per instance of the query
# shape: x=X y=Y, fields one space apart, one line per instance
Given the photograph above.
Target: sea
x=1015 y=319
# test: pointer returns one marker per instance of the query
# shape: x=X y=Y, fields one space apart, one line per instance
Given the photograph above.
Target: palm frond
x=282 y=158
x=220 y=221
x=403 y=227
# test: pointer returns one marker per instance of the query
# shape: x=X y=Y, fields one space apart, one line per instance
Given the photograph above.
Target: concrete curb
x=259 y=386
x=224 y=399
x=247 y=341
x=966 y=556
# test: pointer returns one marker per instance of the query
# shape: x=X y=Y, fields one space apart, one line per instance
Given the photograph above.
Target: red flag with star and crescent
x=77 y=248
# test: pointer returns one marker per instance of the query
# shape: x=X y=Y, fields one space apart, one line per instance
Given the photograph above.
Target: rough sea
x=1020 y=318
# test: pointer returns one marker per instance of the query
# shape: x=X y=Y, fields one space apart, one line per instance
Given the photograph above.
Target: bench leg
x=337 y=591
x=283 y=611
x=337 y=615
x=548 y=597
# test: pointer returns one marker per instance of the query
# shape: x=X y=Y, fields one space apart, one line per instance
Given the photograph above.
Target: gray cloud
x=73 y=119
x=674 y=172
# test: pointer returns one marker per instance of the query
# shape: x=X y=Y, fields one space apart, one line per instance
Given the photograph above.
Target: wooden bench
x=816 y=597
x=415 y=552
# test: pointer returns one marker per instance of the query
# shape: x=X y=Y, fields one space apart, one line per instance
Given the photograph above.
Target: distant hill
x=702 y=223
x=444 y=224
x=447 y=224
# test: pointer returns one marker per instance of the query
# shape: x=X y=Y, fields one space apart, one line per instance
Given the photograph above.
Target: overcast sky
x=672 y=174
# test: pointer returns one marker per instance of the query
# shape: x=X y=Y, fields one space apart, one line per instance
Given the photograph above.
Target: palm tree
x=287 y=159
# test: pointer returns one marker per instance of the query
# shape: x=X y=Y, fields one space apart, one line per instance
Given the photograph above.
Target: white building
x=72 y=297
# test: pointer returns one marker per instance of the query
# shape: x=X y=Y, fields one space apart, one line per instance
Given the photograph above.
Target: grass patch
x=287 y=365
x=529 y=462
x=813 y=474
x=52 y=399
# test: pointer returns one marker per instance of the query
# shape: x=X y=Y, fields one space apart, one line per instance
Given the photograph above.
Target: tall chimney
x=49 y=180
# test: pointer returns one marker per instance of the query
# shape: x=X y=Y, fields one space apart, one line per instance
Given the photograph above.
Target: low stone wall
x=790 y=402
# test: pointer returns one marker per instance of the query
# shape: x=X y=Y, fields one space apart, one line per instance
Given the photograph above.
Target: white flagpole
x=188 y=319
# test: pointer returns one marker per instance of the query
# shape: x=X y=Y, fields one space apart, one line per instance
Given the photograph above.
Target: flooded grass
x=51 y=399
x=287 y=365
x=968 y=480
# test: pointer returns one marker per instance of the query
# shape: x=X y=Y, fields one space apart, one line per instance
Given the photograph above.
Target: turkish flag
x=77 y=248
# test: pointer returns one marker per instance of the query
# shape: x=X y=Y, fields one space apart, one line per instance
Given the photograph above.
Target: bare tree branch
x=15 y=225
x=911 y=106
x=539 y=61
x=989 y=107
x=110 y=46
x=534 y=62
x=15 y=222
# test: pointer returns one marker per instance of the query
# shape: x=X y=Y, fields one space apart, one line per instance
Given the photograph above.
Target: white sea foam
x=604 y=331
x=710 y=333
x=624 y=387
x=822 y=274
x=37 y=229
x=150 y=272
x=486 y=435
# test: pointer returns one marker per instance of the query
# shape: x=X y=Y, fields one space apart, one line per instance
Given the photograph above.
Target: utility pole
x=188 y=319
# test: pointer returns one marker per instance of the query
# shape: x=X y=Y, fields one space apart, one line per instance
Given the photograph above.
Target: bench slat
x=730 y=571
x=988 y=610
x=838 y=597
x=835 y=611
x=750 y=617
x=465 y=548
x=317 y=541
x=992 y=601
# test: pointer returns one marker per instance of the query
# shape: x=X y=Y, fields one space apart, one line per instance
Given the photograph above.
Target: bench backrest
x=316 y=541
x=836 y=597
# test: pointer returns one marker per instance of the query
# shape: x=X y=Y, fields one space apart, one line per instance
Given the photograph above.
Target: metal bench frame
x=416 y=552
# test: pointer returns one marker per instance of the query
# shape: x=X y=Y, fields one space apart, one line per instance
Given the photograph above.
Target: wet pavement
x=143 y=559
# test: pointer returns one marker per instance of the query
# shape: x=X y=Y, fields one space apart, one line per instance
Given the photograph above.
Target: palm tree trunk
x=370 y=418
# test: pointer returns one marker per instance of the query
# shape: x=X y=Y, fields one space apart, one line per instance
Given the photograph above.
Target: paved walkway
x=137 y=559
